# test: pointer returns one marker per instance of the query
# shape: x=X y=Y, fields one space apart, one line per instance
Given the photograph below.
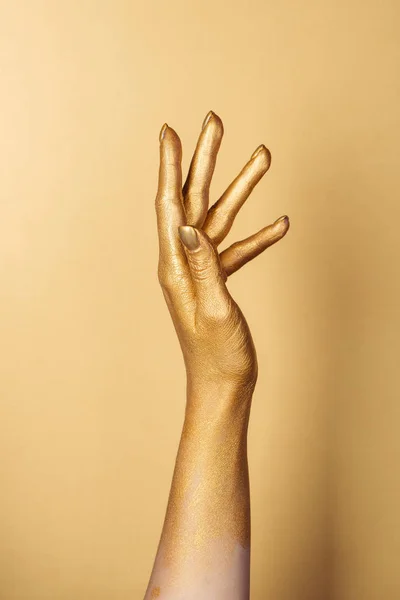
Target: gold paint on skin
x=208 y=512
x=155 y=592
x=210 y=495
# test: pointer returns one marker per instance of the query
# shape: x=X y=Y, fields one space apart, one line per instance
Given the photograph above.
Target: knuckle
x=167 y=197
x=258 y=245
x=201 y=270
x=171 y=280
x=238 y=250
x=197 y=193
x=165 y=279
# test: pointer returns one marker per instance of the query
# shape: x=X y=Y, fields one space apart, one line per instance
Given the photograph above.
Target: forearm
x=204 y=551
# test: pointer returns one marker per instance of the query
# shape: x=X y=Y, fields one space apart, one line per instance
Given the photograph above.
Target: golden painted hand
x=212 y=331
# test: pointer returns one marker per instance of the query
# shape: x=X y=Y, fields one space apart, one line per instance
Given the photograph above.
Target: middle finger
x=196 y=189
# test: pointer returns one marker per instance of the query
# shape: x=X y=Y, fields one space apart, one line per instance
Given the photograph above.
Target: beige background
x=92 y=380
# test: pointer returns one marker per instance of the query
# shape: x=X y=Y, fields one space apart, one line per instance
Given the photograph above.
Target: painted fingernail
x=281 y=219
x=189 y=237
x=208 y=117
x=257 y=151
x=163 y=130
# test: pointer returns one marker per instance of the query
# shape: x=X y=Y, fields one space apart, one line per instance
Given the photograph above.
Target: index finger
x=169 y=202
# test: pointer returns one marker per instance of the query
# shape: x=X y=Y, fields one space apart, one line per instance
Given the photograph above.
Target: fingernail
x=189 y=237
x=163 y=130
x=284 y=218
x=208 y=117
x=257 y=151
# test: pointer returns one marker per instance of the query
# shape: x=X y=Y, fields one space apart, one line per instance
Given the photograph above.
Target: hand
x=214 y=336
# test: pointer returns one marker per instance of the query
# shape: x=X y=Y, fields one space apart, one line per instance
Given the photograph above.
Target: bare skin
x=204 y=549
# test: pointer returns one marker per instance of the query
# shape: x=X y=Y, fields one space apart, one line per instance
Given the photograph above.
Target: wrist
x=204 y=383
x=213 y=402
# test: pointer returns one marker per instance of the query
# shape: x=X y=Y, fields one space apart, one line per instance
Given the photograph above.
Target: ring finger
x=221 y=215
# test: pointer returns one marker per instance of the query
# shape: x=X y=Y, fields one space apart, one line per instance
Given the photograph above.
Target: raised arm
x=204 y=549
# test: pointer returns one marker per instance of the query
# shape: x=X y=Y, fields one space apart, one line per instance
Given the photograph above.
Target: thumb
x=205 y=266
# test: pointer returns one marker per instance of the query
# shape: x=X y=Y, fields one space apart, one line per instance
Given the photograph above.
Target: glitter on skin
x=206 y=530
x=209 y=500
